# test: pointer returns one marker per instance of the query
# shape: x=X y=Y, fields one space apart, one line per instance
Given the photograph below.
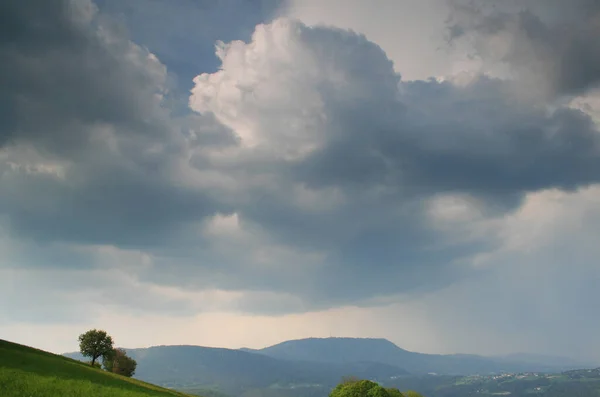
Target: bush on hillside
x=393 y=392
x=351 y=387
x=120 y=363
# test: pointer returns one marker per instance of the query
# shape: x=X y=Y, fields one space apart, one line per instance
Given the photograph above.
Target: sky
x=237 y=173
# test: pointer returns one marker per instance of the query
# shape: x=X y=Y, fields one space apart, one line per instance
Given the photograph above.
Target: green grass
x=28 y=372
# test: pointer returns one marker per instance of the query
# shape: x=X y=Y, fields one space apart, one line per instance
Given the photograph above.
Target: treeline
x=97 y=344
x=353 y=387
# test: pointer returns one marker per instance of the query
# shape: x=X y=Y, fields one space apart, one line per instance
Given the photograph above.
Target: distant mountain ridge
x=339 y=350
x=232 y=371
x=317 y=363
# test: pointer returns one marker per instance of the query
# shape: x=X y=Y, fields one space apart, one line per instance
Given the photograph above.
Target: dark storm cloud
x=478 y=139
x=107 y=205
x=63 y=69
x=469 y=139
x=78 y=93
x=553 y=43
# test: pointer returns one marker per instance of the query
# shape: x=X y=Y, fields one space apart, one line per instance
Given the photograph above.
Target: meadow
x=29 y=372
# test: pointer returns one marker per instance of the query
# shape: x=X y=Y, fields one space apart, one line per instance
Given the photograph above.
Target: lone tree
x=95 y=343
x=120 y=363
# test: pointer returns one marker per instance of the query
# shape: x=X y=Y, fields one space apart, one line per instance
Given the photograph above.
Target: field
x=29 y=372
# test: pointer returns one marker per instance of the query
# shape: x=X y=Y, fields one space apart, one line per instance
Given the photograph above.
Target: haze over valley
x=313 y=366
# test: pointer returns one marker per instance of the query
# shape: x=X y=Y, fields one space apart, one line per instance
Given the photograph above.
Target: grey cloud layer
x=333 y=194
x=86 y=98
x=63 y=70
x=553 y=44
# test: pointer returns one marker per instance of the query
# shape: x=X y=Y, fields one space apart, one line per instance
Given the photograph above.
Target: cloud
x=87 y=143
x=321 y=110
x=550 y=46
x=411 y=33
x=174 y=31
x=348 y=102
x=540 y=275
x=50 y=53
x=310 y=176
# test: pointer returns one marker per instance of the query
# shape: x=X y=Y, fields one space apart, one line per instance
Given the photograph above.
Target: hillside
x=25 y=371
x=235 y=372
x=343 y=350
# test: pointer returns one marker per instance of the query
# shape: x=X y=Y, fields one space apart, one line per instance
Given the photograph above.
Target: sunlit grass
x=27 y=372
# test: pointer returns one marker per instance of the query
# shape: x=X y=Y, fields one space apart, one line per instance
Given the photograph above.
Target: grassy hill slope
x=25 y=371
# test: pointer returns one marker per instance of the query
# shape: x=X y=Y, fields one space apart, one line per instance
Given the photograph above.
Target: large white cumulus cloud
x=282 y=90
x=309 y=92
x=337 y=155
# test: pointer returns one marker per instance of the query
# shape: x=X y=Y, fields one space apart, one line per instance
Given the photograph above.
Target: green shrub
x=351 y=387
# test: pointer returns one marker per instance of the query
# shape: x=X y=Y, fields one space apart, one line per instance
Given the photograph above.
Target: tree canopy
x=363 y=388
x=95 y=343
x=120 y=363
x=412 y=393
x=393 y=392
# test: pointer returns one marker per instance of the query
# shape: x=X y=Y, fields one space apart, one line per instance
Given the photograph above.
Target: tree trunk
x=93 y=360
